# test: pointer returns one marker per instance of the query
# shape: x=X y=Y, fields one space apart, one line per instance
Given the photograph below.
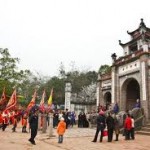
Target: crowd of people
x=110 y=122
x=63 y=120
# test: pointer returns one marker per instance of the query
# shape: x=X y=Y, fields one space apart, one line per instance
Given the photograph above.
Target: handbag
x=105 y=133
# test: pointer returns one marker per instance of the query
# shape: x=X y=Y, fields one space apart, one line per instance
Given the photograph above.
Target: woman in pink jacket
x=61 y=130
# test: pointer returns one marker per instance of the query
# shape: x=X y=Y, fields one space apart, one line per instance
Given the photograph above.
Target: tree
x=10 y=76
x=58 y=86
x=80 y=79
x=104 y=69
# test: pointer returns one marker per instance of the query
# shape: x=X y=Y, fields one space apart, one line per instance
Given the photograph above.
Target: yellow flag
x=50 y=97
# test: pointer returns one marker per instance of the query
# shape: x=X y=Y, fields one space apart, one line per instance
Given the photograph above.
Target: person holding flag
x=15 y=115
x=11 y=105
x=1 y=119
x=5 y=118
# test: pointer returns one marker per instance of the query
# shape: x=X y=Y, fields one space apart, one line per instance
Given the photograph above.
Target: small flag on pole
x=50 y=98
x=42 y=108
x=32 y=102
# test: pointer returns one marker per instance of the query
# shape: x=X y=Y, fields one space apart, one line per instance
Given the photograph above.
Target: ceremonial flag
x=3 y=97
x=42 y=102
x=50 y=98
x=12 y=101
x=32 y=102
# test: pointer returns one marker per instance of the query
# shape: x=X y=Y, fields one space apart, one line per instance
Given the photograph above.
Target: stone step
x=148 y=125
x=143 y=133
x=145 y=129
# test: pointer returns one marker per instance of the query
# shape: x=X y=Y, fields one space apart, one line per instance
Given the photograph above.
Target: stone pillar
x=113 y=86
x=97 y=95
x=100 y=95
x=68 y=89
x=51 y=125
x=143 y=75
x=144 y=86
x=44 y=126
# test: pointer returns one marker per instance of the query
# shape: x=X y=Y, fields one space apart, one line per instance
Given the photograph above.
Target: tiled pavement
x=74 y=139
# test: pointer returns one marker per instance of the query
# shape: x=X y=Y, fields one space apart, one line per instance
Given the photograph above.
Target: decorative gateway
x=129 y=79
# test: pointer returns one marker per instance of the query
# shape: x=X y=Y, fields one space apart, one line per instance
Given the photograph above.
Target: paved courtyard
x=74 y=139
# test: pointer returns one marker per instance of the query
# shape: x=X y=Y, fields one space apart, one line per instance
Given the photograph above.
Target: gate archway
x=130 y=92
x=107 y=99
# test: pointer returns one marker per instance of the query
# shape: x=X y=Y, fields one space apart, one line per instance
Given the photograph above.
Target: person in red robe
x=5 y=117
x=15 y=121
x=24 y=123
x=1 y=119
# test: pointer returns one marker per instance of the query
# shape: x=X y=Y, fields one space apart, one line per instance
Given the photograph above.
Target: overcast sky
x=44 y=33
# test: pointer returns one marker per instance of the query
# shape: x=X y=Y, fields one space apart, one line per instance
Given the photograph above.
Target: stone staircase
x=145 y=130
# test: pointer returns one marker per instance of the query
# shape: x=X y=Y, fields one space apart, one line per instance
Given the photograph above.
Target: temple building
x=129 y=78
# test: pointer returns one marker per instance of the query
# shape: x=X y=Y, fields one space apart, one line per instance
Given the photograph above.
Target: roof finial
x=141 y=19
x=142 y=24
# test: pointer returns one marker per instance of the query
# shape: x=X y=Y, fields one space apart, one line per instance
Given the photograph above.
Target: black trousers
x=96 y=134
x=24 y=129
x=110 y=135
x=14 y=127
x=128 y=134
x=33 y=134
x=132 y=134
x=4 y=126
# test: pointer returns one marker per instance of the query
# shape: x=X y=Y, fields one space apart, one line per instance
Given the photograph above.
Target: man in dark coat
x=100 y=126
x=33 y=121
x=110 y=126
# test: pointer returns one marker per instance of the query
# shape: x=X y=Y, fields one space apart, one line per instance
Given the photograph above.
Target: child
x=61 y=130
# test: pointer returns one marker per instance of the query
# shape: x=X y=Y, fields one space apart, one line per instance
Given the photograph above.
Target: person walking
x=100 y=126
x=110 y=126
x=61 y=130
x=33 y=121
x=116 y=127
x=132 y=129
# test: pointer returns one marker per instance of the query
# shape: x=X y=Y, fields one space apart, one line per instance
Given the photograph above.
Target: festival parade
x=74 y=75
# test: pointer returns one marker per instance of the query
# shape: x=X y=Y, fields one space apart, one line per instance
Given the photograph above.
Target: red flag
x=12 y=101
x=42 y=108
x=3 y=97
x=32 y=102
